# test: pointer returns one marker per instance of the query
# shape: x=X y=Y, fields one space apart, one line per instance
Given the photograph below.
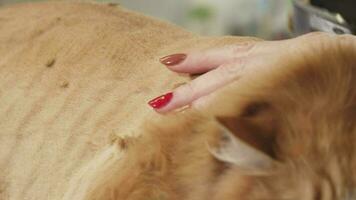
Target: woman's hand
x=224 y=65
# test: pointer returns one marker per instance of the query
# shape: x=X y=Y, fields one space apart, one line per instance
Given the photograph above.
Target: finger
x=201 y=86
x=203 y=61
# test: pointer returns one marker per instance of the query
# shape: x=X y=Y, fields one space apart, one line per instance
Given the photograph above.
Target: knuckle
x=233 y=68
x=326 y=43
x=189 y=88
x=243 y=47
x=346 y=43
x=317 y=34
x=318 y=37
x=319 y=40
x=346 y=38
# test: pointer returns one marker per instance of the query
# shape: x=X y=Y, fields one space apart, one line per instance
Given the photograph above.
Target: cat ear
x=234 y=151
x=247 y=141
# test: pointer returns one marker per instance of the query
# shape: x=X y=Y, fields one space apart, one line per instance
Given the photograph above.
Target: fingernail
x=173 y=59
x=161 y=101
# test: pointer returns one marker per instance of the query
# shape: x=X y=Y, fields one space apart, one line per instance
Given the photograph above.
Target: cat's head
x=290 y=134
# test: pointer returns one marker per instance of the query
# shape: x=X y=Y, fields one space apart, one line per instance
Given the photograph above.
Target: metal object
x=308 y=18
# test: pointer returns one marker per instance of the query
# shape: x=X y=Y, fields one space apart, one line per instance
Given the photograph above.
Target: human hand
x=222 y=66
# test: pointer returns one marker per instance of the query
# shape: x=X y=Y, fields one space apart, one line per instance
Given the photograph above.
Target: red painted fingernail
x=173 y=59
x=161 y=101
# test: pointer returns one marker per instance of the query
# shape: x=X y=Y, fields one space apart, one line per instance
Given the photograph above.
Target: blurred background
x=267 y=19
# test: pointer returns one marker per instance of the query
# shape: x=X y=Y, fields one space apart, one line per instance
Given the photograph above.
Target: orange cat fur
x=298 y=121
x=74 y=73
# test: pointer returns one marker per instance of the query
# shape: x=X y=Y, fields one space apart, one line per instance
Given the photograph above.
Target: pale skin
x=223 y=65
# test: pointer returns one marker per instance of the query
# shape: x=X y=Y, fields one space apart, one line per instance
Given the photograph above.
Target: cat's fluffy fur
x=302 y=115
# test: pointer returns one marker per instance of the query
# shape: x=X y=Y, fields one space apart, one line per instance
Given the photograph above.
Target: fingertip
x=171 y=101
x=161 y=101
x=184 y=63
x=173 y=59
x=172 y=109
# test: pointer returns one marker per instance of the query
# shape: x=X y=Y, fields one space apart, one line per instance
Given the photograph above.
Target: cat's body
x=72 y=75
x=300 y=115
x=298 y=119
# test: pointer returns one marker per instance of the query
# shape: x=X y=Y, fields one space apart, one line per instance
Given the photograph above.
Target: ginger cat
x=72 y=74
x=287 y=134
